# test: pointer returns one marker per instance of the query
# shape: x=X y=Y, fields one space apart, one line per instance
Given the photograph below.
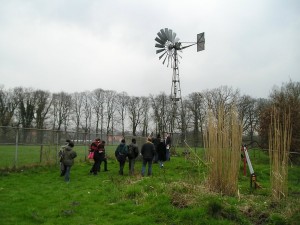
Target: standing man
x=168 y=146
x=68 y=157
x=133 y=152
x=60 y=153
x=121 y=154
x=147 y=152
x=156 y=142
x=161 y=152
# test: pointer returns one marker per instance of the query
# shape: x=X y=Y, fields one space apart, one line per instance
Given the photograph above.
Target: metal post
x=245 y=162
x=16 y=153
x=56 y=146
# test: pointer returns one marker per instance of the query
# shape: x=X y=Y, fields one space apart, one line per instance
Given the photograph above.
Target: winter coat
x=68 y=156
x=156 y=142
x=148 y=150
x=99 y=153
x=168 y=140
x=121 y=152
x=94 y=146
x=161 y=151
x=135 y=150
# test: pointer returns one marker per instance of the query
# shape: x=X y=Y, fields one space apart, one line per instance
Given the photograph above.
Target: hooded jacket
x=68 y=156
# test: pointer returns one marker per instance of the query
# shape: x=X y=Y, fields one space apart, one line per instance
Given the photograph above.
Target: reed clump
x=222 y=147
x=280 y=134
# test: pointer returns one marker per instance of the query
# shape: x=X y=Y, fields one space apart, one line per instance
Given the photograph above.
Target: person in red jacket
x=95 y=148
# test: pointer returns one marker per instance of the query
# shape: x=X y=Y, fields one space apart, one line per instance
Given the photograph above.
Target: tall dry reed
x=223 y=140
x=280 y=134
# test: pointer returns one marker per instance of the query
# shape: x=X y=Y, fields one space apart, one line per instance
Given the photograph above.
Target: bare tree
x=8 y=105
x=223 y=95
x=43 y=104
x=87 y=113
x=247 y=108
x=135 y=111
x=27 y=104
x=160 y=116
x=286 y=99
x=145 y=116
x=97 y=102
x=61 y=109
x=122 y=102
x=110 y=101
x=77 y=108
x=196 y=106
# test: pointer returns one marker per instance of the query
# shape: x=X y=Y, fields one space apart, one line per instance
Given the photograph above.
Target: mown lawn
x=176 y=194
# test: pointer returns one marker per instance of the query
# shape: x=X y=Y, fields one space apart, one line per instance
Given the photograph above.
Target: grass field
x=176 y=194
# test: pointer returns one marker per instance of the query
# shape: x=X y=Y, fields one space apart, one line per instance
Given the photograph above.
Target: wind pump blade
x=160 y=41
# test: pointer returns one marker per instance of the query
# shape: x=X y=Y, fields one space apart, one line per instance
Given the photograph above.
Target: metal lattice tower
x=169 y=45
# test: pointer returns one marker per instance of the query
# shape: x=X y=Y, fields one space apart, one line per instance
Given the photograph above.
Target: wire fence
x=27 y=146
x=21 y=147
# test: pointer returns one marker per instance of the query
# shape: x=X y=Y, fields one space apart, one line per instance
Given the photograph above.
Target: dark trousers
x=62 y=169
x=122 y=164
x=155 y=158
x=145 y=162
x=131 y=166
x=96 y=167
x=105 y=163
x=67 y=173
x=168 y=154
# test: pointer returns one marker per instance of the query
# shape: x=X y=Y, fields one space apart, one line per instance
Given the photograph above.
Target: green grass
x=174 y=195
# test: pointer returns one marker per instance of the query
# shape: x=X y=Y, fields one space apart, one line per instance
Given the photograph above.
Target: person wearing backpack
x=133 y=152
x=68 y=157
x=121 y=153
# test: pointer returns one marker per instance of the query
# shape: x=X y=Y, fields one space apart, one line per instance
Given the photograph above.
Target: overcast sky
x=80 y=45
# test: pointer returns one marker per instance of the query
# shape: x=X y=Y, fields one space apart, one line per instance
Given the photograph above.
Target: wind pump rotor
x=168 y=45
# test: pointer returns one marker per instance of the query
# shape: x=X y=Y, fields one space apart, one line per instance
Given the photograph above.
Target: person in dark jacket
x=161 y=152
x=62 y=167
x=168 y=143
x=103 y=157
x=133 y=152
x=95 y=148
x=147 y=152
x=121 y=154
x=156 y=142
x=68 y=157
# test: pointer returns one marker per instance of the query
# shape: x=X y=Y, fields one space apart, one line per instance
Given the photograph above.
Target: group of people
x=97 y=149
x=155 y=150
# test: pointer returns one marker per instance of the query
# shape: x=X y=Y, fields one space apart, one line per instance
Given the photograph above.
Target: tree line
x=107 y=112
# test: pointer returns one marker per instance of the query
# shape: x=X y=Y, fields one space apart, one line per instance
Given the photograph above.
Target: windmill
x=168 y=45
